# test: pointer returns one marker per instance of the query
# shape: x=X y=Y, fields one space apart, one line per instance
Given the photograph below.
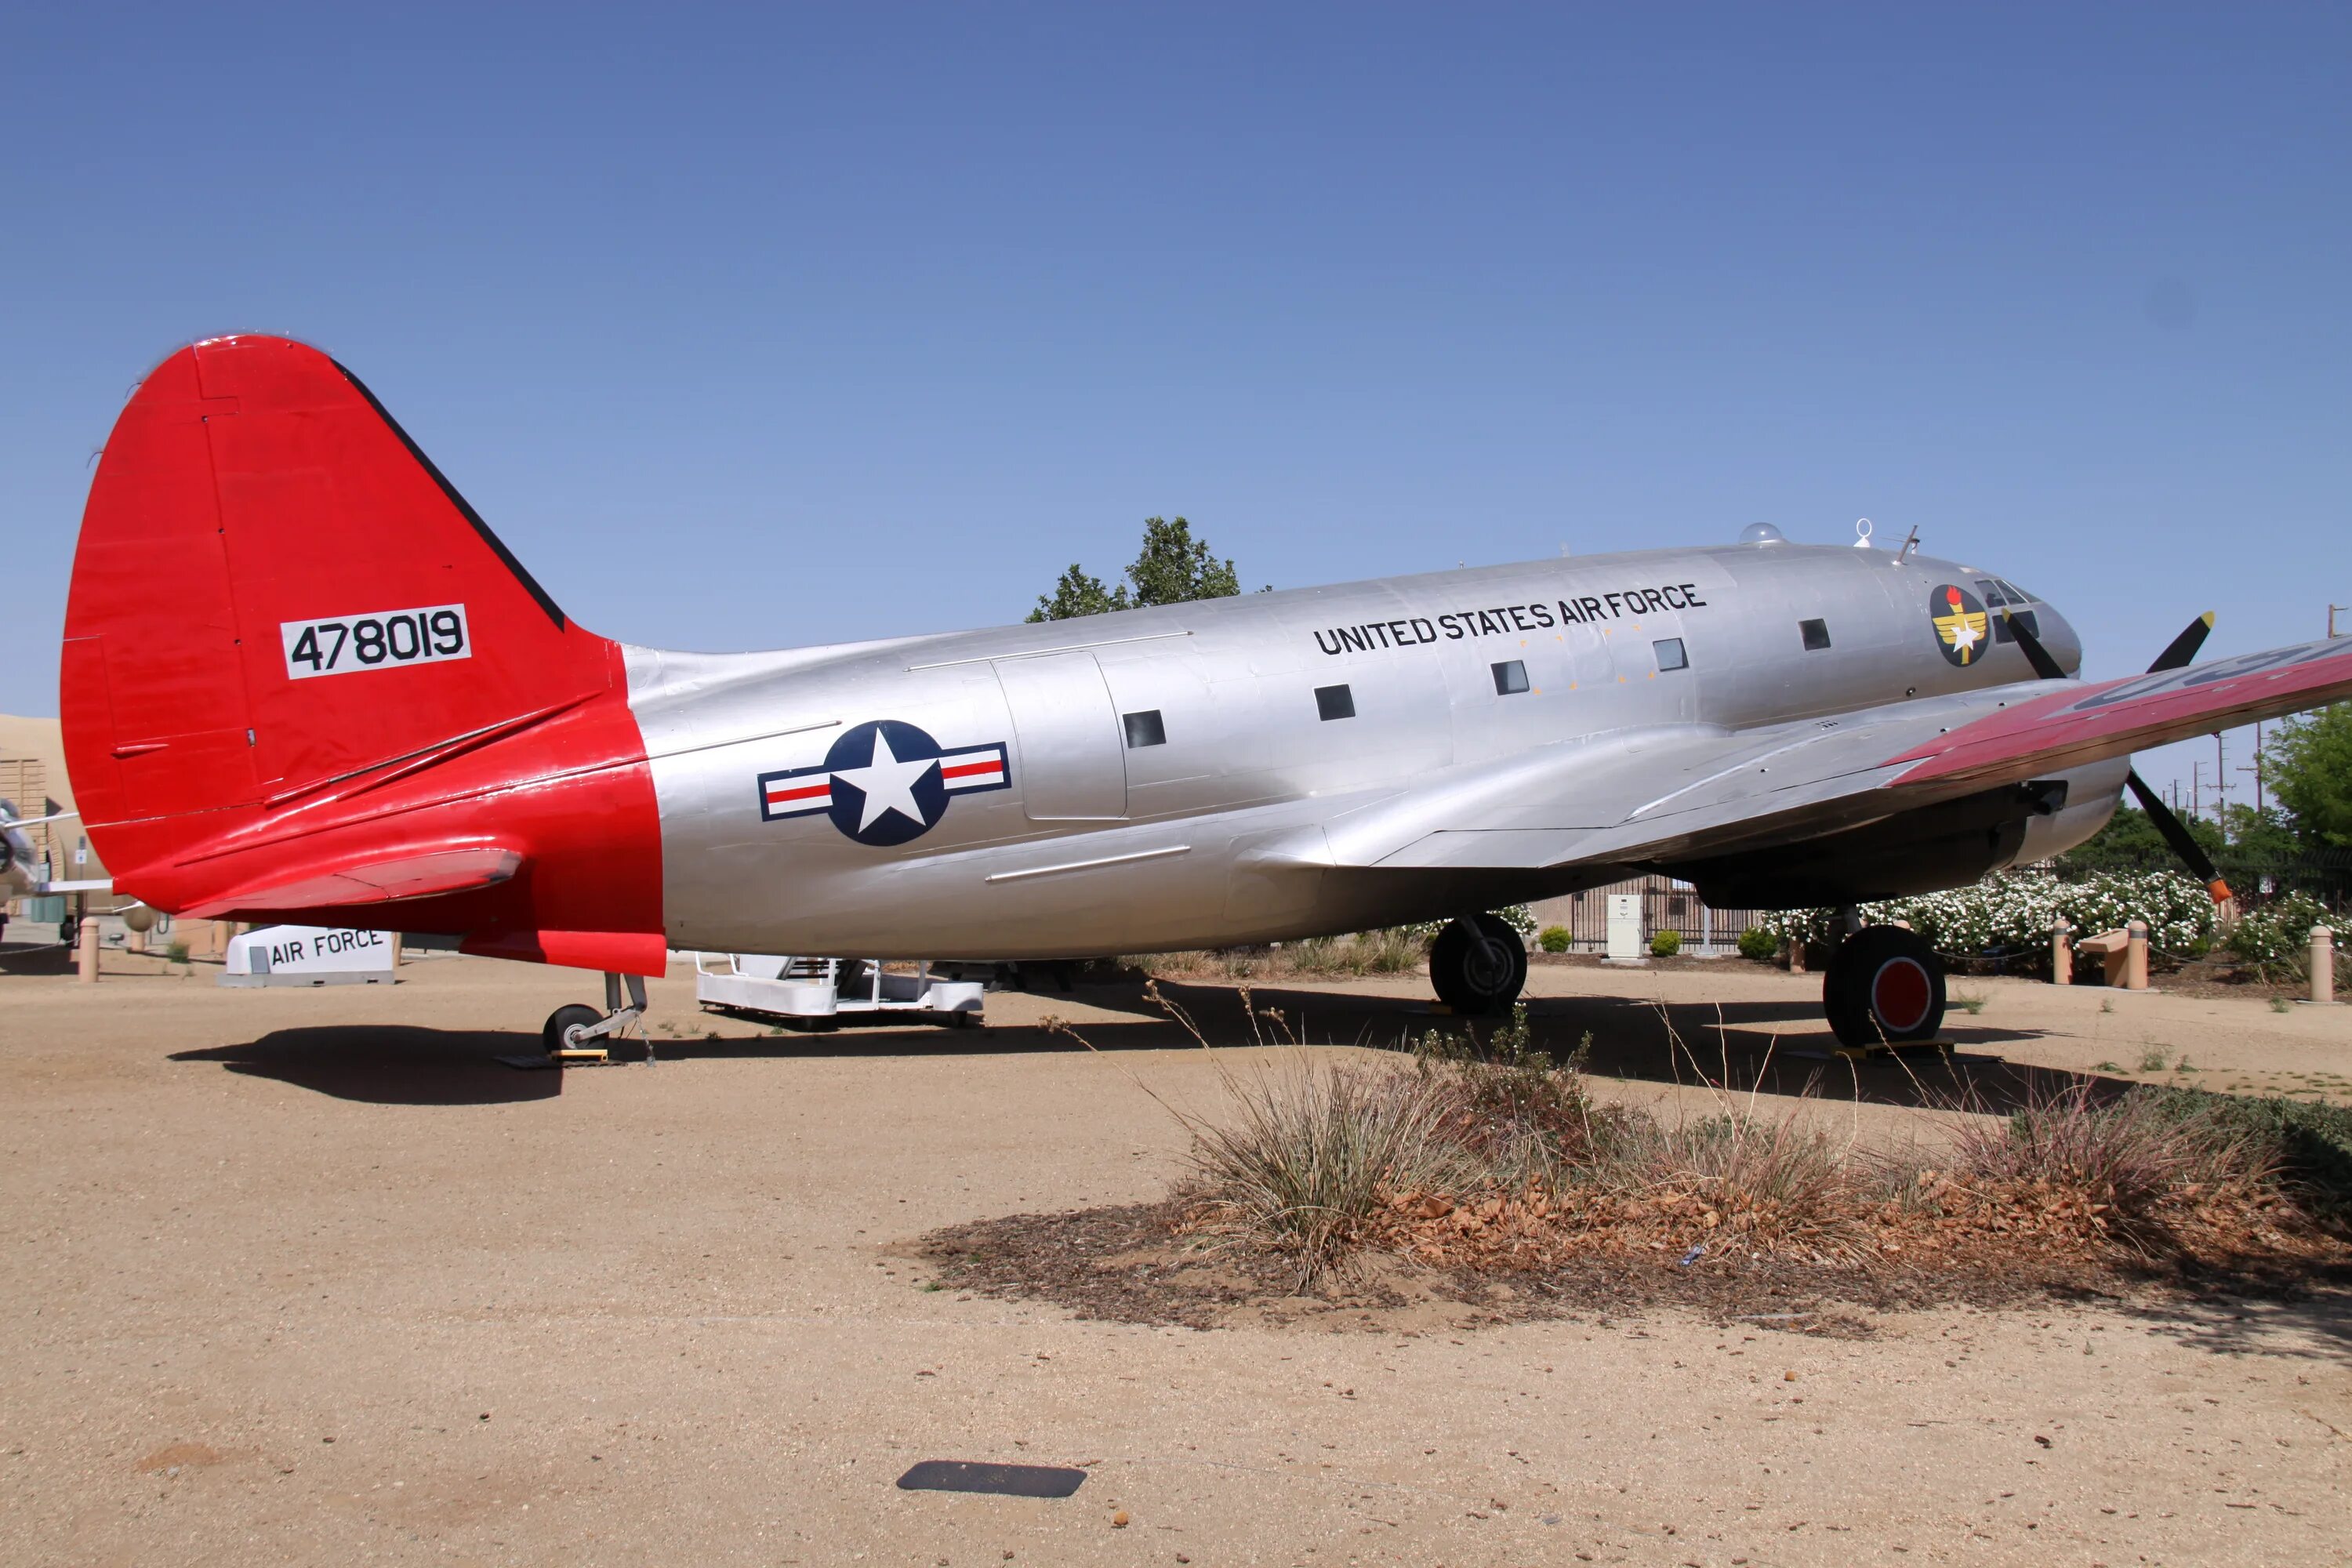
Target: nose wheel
x=1885 y=986
x=576 y=1032
x=1478 y=965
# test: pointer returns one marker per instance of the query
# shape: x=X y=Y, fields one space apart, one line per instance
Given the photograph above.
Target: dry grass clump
x=1312 y=1153
x=1391 y=952
x=1492 y=1155
x=2127 y=1169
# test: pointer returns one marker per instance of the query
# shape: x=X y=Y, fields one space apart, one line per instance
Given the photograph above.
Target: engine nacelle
x=2093 y=793
x=1922 y=851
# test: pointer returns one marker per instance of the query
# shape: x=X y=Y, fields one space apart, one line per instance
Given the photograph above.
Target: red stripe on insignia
x=967 y=769
x=806 y=792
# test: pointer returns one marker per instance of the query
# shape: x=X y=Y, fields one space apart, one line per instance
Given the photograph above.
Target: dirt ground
x=307 y=1276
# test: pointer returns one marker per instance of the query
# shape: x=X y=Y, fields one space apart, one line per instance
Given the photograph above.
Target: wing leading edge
x=1664 y=794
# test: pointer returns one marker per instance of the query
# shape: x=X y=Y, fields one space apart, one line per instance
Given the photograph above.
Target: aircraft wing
x=1678 y=793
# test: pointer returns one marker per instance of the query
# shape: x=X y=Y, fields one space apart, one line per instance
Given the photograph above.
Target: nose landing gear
x=577 y=1033
x=1478 y=965
x=1885 y=986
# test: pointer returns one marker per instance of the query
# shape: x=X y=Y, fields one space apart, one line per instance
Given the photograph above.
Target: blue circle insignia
x=887 y=787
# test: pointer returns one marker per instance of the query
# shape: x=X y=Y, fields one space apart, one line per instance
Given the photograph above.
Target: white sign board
x=1625 y=928
x=309 y=955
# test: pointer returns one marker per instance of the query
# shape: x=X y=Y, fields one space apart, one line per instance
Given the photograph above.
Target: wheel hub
x=1901 y=993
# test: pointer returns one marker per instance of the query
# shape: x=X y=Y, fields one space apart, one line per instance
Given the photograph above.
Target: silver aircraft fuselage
x=1103 y=783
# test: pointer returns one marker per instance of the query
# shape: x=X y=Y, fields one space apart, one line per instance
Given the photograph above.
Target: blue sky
x=757 y=326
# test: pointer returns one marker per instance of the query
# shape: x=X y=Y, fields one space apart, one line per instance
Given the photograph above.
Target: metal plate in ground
x=1004 y=1480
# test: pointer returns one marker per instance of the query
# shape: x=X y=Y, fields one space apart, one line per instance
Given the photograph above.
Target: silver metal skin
x=1098 y=846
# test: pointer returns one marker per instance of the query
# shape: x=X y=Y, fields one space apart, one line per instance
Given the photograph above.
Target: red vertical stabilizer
x=302 y=679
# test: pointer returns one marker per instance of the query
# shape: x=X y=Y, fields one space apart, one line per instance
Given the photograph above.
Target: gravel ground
x=305 y=1276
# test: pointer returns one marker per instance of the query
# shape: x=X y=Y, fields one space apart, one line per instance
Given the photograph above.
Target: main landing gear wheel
x=1885 y=986
x=1478 y=965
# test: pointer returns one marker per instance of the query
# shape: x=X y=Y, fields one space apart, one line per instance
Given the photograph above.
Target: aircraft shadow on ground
x=1736 y=1045
x=392 y=1065
x=1778 y=1049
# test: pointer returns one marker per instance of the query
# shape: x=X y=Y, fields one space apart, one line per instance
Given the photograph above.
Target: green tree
x=1078 y=594
x=2307 y=764
x=2129 y=842
x=1173 y=568
x=2258 y=835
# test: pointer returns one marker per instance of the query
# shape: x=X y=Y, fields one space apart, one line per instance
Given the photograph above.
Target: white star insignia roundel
x=884 y=782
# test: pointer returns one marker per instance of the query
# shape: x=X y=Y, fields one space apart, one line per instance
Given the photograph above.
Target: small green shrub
x=1758 y=946
x=1555 y=939
x=1666 y=943
x=177 y=953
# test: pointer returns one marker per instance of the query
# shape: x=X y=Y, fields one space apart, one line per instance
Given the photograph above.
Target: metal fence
x=1667 y=905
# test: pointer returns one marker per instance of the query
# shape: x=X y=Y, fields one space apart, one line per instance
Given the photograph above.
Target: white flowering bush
x=2275 y=940
x=2013 y=912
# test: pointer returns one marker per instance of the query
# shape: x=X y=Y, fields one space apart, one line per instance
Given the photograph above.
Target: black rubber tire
x=1850 y=993
x=571 y=1015
x=1478 y=965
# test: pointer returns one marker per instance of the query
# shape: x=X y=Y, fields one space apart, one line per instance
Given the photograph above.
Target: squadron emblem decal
x=1960 y=624
x=884 y=782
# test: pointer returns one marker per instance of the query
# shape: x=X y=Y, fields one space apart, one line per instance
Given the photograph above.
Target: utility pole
x=2221 y=777
x=2196 y=788
x=2257 y=770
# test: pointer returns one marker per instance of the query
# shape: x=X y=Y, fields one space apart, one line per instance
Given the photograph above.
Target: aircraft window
x=1670 y=654
x=1817 y=634
x=1335 y=702
x=1144 y=729
x=1990 y=591
x=1510 y=678
x=2017 y=595
x=2006 y=622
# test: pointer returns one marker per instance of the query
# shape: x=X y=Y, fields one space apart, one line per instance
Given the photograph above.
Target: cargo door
x=1072 y=765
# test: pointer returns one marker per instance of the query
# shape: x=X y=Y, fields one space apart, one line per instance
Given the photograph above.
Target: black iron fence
x=1667 y=905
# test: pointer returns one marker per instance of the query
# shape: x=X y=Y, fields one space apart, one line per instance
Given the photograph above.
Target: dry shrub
x=1493 y=1155
x=2071 y=1162
x=1771 y=1183
x=1314 y=1150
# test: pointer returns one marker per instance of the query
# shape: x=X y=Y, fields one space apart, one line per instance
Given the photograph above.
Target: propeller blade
x=2182 y=648
x=2184 y=843
x=2045 y=667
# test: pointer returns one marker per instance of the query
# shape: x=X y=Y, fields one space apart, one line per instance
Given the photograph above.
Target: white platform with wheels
x=817 y=990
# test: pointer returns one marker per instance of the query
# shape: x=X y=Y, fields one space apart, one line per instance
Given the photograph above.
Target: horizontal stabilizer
x=374 y=882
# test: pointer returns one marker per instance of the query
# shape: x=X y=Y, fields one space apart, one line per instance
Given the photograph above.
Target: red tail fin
x=293 y=650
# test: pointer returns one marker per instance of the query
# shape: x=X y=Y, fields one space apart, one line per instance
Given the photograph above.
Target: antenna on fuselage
x=1910 y=544
x=1862 y=531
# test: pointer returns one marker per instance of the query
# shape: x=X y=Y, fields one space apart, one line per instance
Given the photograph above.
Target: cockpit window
x=2006 y=602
